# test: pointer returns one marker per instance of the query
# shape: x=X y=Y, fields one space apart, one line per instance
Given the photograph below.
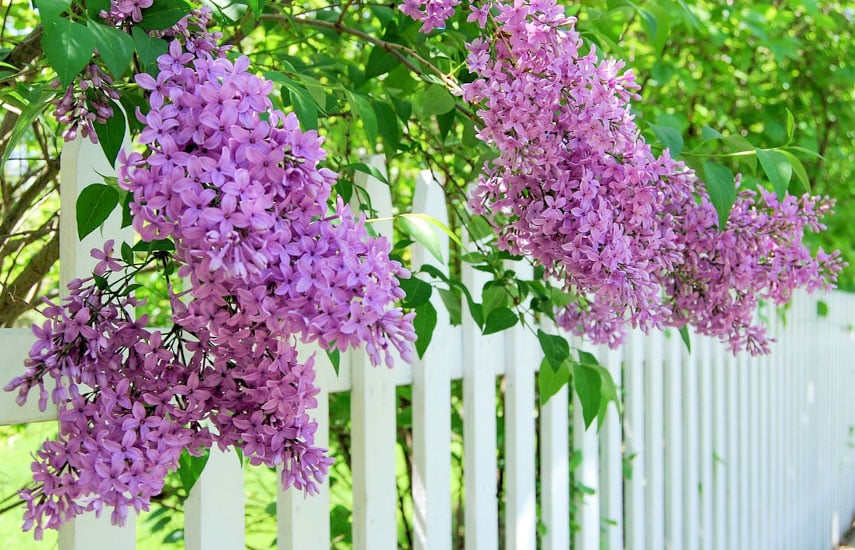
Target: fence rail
x=710 y=452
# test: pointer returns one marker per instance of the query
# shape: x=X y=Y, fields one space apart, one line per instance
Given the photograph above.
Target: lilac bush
x=239 y=189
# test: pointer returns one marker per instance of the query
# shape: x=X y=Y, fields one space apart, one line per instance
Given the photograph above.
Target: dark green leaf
x=380 y=62
x=424 y=323
x=587 y=382
x=367 y=169
x=417 y=292
x=722 y=189
x=305 y=106
x=163 y=245
x=94 y=205
x=114 y=46
x=550 y=381
x=163 y=14
x=778 y=169
x=191 y=467
x=111 y=134
x=95 y=7
x=499 y=319
x=335 y=359
x=149 y=49
x=555 y=348
x=68 y=47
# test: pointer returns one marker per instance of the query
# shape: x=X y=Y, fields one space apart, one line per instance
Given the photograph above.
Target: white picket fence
x=711 y=452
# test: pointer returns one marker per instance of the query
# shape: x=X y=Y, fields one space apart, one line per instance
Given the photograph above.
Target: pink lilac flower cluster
x=239 y=189
x=632 y=235
x=123 y=12
x=432 y=13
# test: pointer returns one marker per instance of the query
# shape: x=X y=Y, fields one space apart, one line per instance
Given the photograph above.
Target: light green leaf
x=115 y=47
x=721 y=187
x=68 y=47
x=422 y=231
x=684 y=335
x=435 y=100
x=550 y=381
x=335 y=359
x=94 y=205
x=190 y=468
x=499 y=319
x=791 y=126
x=494 y=296
x=436 y=223
x=778 y=169
x=821 y=309
x=363 y=110
x=424 y=324
x=799 y=170
x=670 y=138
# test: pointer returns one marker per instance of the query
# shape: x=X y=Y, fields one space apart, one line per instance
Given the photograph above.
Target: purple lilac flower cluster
x=86 y=101
x=239 y=189
x=432 y=13
x=632 y=235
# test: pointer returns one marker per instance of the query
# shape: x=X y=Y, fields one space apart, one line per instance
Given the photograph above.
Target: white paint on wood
x=214 y=511
x=635 y=453
x=555 y=471
x=674 y=444
x=611 y=459
x=654 y=423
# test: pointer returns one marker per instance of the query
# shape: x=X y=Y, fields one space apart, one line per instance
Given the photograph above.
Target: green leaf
x=149 y=49
x=435 y=100
x=417 y=292
x=162 y=245
x=778 y=169
x=424 y=323
x=163 y=14
x=115 y=47
x=367 y=169
x=94 y=205
x=587 y=382
x=305 y=106
x=127 y=254
x=111 y=134
x=821 y=309
x=257 y=7
x=95 y=7
x=799 y=170
x=684 y=335
x=555 y=348
x=51 y=10
x=550 y=381
x=335 y=359
x=670 y=138
x=389 y=126
x=191 y=467
x=494 y=296
x=421 y=230
x=721 y=186
x=452 y=303
x=499 y=319
x=33 y=107
x=380 y=62
x=363 y=110
x=436 y=223
x=68 y=47
x=791 y=126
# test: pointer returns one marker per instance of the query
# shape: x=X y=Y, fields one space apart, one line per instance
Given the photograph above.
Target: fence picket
x=702 y=352
x=82 y=163
x=634 y=442
x=304 y=522
x=611 y=460
x=674 y=444
x=373 y=419
x=653 y=430
x=586 y=443
x=214 y=511
x=432 y=398
x=555 y=471
x=691 y=437
x=480 y=357
x=522 y=358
